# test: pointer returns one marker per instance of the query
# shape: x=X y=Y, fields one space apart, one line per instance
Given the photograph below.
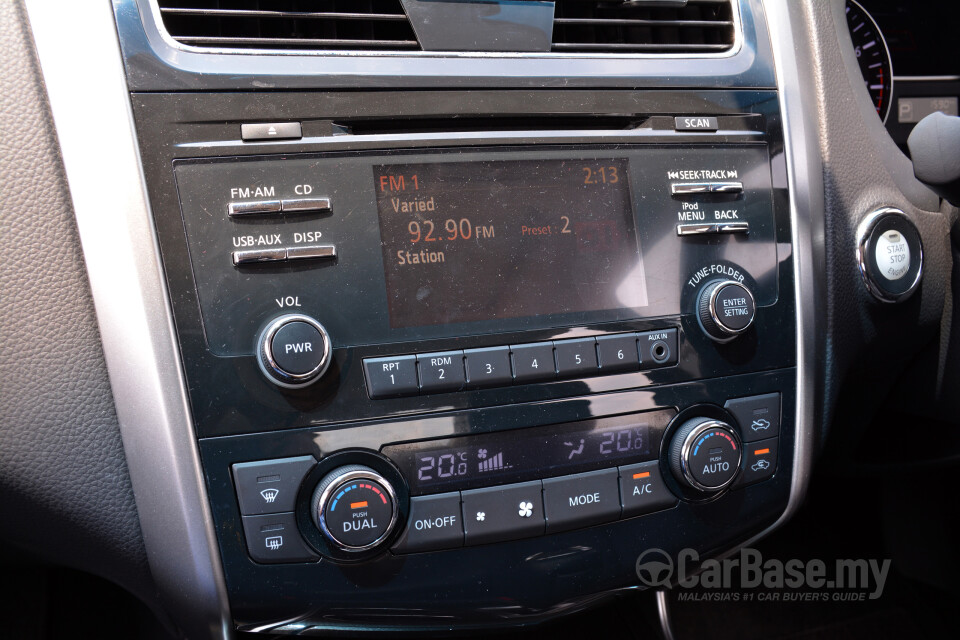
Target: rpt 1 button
x=391 y=377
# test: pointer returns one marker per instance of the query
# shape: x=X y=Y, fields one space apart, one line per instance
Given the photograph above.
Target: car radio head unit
x=525 y=353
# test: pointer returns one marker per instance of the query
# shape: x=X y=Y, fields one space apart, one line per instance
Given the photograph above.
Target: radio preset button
x=581 y=500
x=642 y=489
x=391 y=377
x=441 y=371
x=533 y=362
x=658 y=348
x=576 y=358
x=488 y=367
x=502 y=513
x=435 y=522
x=618 y=353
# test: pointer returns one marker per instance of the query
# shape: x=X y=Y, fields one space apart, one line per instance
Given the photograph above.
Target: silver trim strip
x=805 y=181
x=926 y=78
x=156 y=23
x=100 y=156
x=663 y=614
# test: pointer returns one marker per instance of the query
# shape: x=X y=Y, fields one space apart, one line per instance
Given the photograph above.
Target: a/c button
x=642 y=489
x=434 y=523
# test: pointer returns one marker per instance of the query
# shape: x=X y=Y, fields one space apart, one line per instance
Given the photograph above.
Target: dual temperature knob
x=705 y=455
x=355 y=508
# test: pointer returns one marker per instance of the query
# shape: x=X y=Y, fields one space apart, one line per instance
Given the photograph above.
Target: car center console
x=492 y=343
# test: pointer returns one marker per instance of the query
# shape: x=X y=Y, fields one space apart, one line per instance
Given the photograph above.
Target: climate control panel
x=451 y=493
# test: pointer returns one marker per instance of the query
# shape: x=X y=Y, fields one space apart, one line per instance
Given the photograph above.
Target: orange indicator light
x=760 y=452
x=358 y=505
x=645 y=474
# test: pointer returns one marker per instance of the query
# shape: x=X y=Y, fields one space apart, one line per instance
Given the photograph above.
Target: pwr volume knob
x=705 y=455
x=725 y=309
x=294 y=351
x=355 y=508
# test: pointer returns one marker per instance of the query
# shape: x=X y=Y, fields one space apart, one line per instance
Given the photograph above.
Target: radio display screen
x=486 y=240
x=527 y=454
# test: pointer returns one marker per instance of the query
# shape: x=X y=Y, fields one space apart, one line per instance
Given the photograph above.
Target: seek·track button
x=581 y=500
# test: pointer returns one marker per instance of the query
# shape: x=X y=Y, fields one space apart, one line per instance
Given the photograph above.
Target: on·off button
x=434 y=523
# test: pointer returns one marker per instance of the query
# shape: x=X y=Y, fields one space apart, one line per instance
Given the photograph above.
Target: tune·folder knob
x=725 y=309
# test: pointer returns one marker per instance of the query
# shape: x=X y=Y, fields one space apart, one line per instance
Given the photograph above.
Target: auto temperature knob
x=705 y=455
x=294 y=351
x=725 y=309
x=355 y=508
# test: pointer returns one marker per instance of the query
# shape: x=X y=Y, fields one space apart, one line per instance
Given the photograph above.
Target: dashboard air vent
x=643 y=26
x=289 y=24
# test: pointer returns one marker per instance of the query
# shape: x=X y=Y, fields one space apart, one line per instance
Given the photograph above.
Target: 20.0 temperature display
x=579 y=447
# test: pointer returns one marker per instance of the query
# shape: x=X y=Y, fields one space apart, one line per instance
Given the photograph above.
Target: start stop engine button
x=892 y=255
x=889 y=255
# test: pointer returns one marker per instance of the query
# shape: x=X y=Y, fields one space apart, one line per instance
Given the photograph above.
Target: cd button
x=391 y=377
x=434 y=523
x=642 y=489
x=576 y=358
x=618 y=353
x=441 y=371
x=488 y=367
x=533 y=362
x=581 y=500
x=503 y=513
